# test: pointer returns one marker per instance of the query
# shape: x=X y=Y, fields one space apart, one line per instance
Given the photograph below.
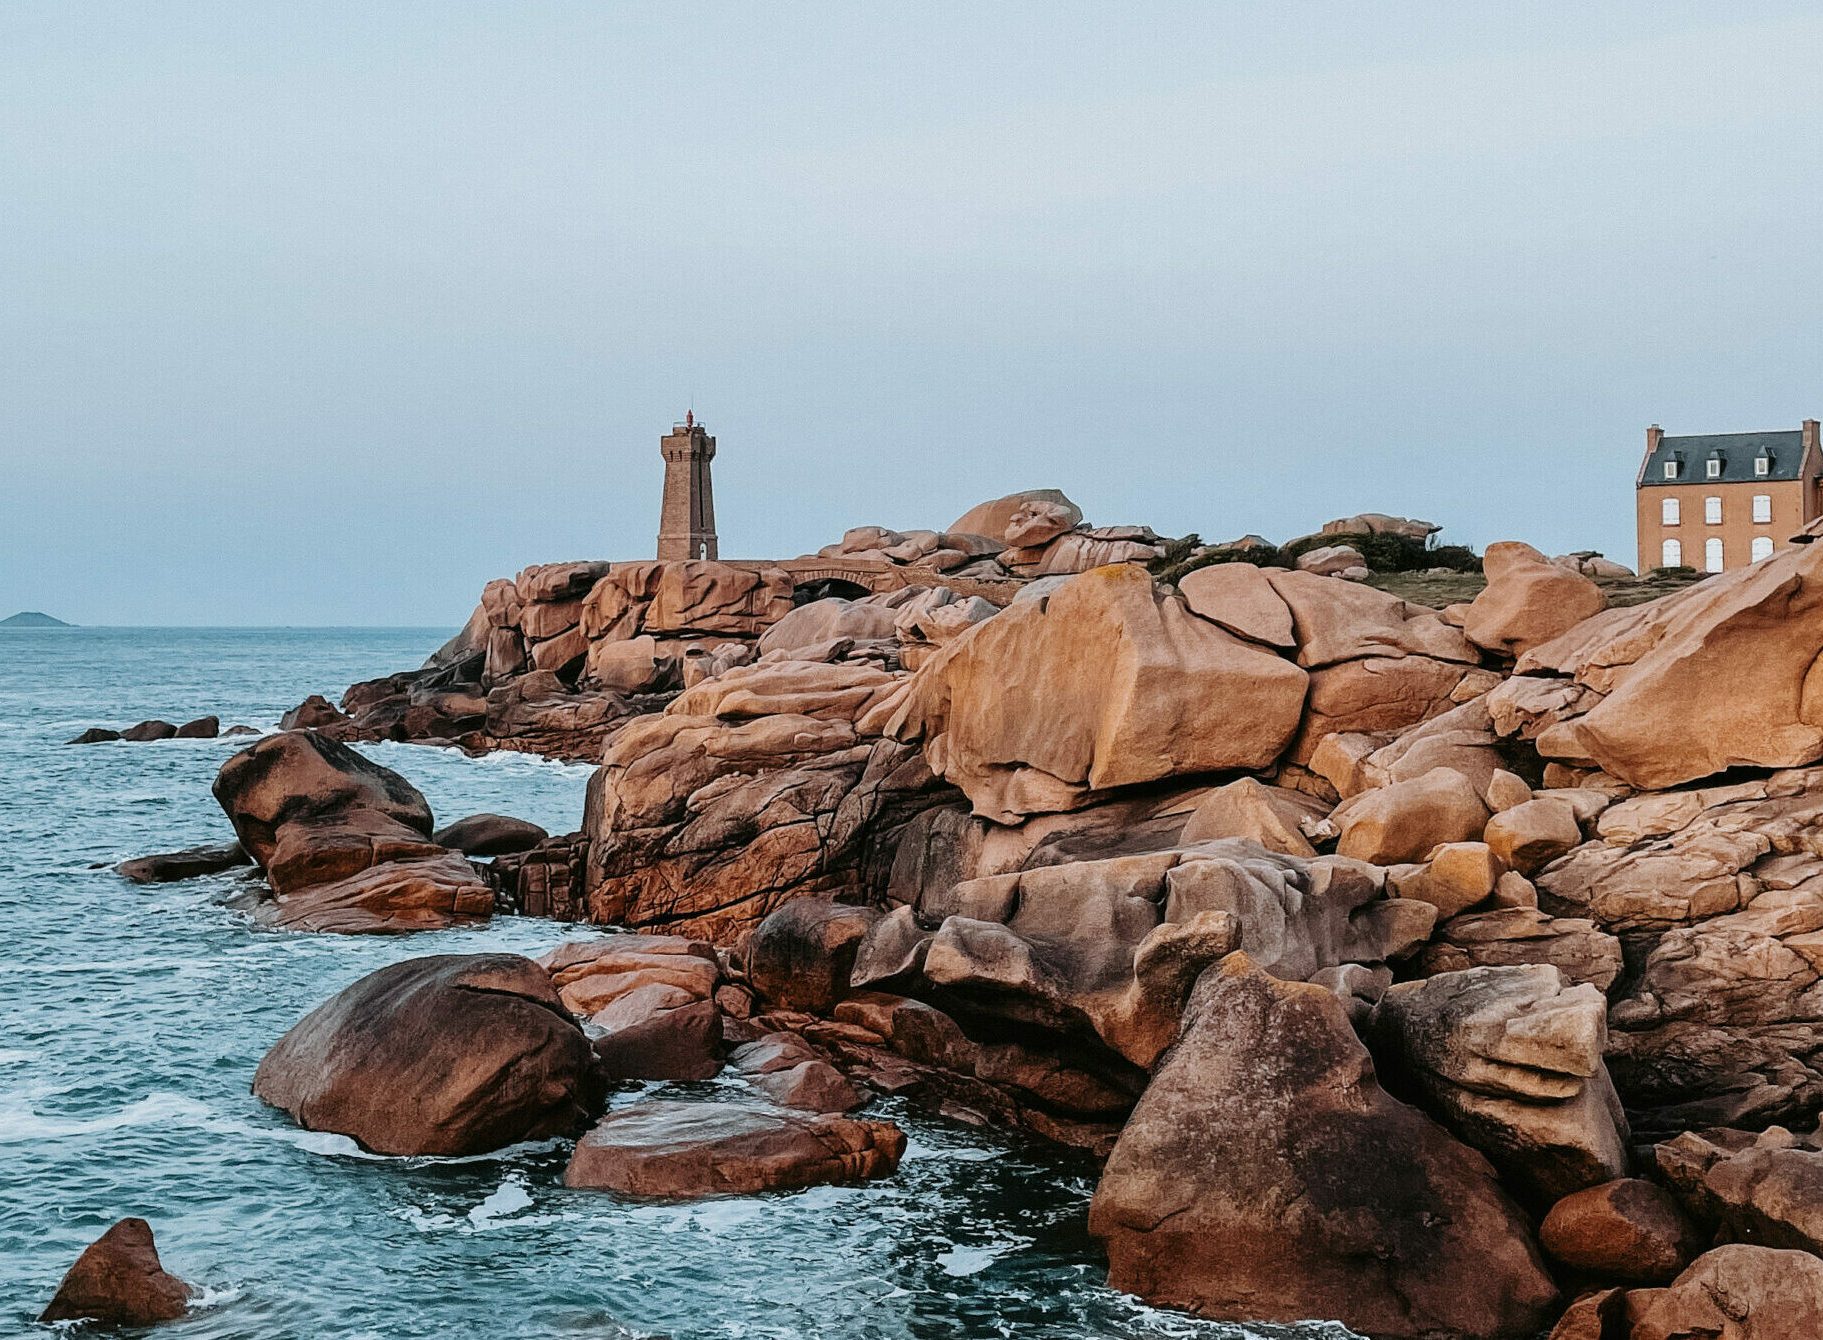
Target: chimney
x=1654 y=435
x=1810 y=432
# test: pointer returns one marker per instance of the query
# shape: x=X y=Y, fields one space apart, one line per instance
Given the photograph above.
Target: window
x=1715 y=467
x=1670 y=469
x=1762 y=509
x=1712 y=511
x=1671 y=554
x=1762 y=547
x=1762 y=465
x=1668 y=512
x=1712 y=554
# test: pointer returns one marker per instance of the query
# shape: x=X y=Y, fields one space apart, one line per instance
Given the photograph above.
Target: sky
x=328 y=313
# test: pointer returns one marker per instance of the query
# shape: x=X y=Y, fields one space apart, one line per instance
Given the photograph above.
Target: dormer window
x=1671 y=469
x=1714 y=465
x=1762 y=464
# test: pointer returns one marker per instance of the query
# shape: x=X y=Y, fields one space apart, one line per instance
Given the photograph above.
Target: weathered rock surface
x=647 y=1001
x=1765 y=1189
x=1528 y=600
x=1643 y=691
x=1738 y=1293
x=748 y=791
x=1628 y=1229
x=1265 y=1176
x=1107 y=683
x=1510 y=1059
x=1406 y=820
x=343 y=841
x=1511 y=936
x=792 y=1073
x=451 y=1054
x=1107 y=950
x=682 y=1151
x=119 y=1281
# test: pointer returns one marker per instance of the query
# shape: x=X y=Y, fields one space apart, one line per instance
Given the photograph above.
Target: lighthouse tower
x=686 y=525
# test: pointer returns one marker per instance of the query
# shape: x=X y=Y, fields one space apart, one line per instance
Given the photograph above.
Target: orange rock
x=1528 y=600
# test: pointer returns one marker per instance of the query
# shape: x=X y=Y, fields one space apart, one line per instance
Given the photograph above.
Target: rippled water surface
x=131 y=1020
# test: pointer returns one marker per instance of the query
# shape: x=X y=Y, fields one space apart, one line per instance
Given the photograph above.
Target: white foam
x=19 y=1121
x=963 y=1261
x=509 y=1198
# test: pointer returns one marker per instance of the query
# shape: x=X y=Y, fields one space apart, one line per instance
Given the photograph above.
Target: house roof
x=1738 y=452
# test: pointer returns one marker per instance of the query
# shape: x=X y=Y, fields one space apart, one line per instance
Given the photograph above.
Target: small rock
x=1531 y=835
x=119 y=1281
x=313 y=713
x=203 y=728
x=96 y=735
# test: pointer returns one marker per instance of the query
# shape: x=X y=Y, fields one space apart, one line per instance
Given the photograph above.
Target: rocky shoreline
x=1448 y=973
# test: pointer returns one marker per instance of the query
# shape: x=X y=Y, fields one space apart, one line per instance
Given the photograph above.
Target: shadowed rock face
x=451 y=1054
x=1627 y=1229
x=1265 y=1176
x=682 y=1151
x=118 y=1280
x=344 y=842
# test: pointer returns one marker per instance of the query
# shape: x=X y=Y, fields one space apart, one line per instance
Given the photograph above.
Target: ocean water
x=131 y=1020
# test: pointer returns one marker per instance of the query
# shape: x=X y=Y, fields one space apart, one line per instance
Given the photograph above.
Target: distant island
x=33 y=619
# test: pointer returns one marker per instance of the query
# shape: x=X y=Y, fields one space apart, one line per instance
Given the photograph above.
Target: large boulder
x=344 y=842
x=1266 y=1176
x=672 y=1150
x=1528 y=600
x=1738 y=1293
x=1407 y=820
x=451 y=1054
x=647 y=1001
x=119 y=1281
x=800 y=957
x=1628 y=1229
x=993 y=517
x=1716 y=676
x=1510 y=1059
x=1109 y=682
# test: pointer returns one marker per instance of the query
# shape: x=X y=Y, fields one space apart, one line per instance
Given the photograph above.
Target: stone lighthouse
x=686 y=525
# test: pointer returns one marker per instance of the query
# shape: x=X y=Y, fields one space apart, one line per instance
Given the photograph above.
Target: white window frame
x=1712 y=511
x=1762 y=465
x=1762 y=509
x=1712 y=554
x=1762 y=548
x=1670 y=469
x=1670 y=513
x=1715 y=468
x=1671 y=554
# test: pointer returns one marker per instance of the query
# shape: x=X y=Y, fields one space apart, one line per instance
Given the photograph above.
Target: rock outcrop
x=451 y=1054
x=119 y=1281
x=1510 y=1060
x=1764 y=1188
x=344 y=842
x=1737 y=1293
x=1265 y=1176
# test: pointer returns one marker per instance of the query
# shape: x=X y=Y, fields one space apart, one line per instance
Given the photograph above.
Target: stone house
x=1723 y=500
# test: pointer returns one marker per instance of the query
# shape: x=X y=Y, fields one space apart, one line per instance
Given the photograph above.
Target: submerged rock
x=682 y=1151
x=1266 y=1176
x=164 y=867
x=119 y=1281
x=451 y=1054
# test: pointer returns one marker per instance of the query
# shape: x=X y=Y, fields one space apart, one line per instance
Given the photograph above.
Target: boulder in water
x=119 y=1281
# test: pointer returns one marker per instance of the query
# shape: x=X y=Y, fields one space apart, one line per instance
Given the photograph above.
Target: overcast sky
x=328 y=313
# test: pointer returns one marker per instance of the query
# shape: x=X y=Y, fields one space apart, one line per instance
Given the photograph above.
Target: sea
x=131 y=1020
